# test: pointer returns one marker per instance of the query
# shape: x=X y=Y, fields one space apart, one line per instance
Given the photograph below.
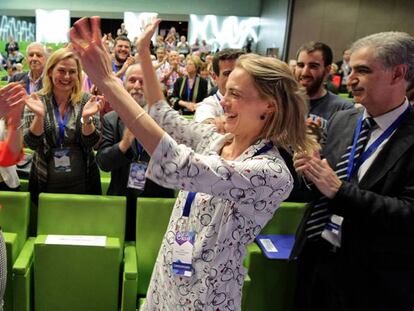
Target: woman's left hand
x=86 y=39
x=94 y=104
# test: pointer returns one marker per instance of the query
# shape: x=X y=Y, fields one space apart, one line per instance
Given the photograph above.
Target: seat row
x=79 y=261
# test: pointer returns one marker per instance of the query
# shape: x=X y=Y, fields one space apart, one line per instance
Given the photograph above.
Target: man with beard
x=36 y=58
x=123 y=58
x=314 y=61
x=122 y=155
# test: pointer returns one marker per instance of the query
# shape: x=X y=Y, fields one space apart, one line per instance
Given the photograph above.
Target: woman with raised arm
x=231 y=184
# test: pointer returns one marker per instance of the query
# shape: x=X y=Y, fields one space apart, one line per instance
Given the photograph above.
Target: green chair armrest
x=130 y=278
x=23 y=277
x=130 y=262
x=251 y=249
x=11 y=238
x=25 y=258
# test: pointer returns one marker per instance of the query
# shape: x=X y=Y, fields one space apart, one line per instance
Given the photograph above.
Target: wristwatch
x=88 y=121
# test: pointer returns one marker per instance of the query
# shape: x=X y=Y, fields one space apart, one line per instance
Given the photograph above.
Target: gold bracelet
x=138 y=116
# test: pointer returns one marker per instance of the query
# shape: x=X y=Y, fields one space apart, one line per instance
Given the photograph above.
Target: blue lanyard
x=89 y=83
x=139 y=149
x=354 y=166
x=189 y=90
x=62 y=123
x=114 y=68
x=28 y=87
x=191 y=195
x=218 y=98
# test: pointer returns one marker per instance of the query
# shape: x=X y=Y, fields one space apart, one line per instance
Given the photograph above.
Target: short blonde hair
x=275 y=82
x=52 y=61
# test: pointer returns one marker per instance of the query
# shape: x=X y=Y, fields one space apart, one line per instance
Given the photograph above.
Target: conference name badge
x=61 y=159
x=333 y=230
x=136 y=178
x=183 y=253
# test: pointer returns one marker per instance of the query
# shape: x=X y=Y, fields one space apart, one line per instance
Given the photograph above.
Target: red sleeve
x=7 y=157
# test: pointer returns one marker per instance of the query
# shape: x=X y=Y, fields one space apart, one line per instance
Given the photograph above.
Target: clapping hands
x=12 y=99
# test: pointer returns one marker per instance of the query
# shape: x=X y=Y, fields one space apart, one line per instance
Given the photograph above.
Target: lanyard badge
x=136 y=178
x=184 y=242
x=183 y=253
x=61 y=157
x=137 y=169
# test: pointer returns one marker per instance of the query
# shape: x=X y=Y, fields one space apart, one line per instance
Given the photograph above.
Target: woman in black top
x=189 y=89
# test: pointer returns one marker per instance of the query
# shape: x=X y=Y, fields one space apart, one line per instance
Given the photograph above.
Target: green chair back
x=78 y=277
x=286 y=219
x=14 y=215
x=14 y=220
x=75 y=214
x=153 y=215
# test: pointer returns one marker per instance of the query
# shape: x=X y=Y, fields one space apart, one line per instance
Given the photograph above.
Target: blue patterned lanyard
x=191 y=195
x=354 y=166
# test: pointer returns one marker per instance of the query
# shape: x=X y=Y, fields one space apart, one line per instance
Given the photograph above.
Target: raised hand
x=144 y=41
x=15 y=115
x=129 y=61
x=85 y=36
x=35 y=105
x=11 y=95
x=94 y=104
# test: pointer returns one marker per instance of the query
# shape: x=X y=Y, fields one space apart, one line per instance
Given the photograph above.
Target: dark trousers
x=319 y=285
x=325 y=282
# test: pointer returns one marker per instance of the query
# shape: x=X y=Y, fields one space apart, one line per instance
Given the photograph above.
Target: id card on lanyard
x=61 y=156
x=333 y=229
x=182 y=255
x=137 y=169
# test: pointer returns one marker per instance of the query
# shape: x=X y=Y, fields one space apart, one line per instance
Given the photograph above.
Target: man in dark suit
x=120 y=151
x=36 y=59
x=355 y=245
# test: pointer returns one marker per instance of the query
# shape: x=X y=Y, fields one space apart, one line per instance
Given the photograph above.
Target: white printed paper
x=85 y=240
x=269 y=246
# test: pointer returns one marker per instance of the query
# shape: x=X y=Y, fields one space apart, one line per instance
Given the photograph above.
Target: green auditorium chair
x=273 y=281
x=14 y=221
x=153 y=215
x=75 y=277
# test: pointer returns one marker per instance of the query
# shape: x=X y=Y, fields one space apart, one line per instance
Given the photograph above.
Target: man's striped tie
x=320 y=213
